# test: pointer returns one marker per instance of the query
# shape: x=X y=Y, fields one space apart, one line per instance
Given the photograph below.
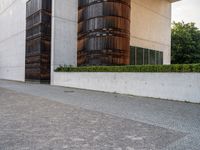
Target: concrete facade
x=12 y=39
x=150 y=28
x=64 y=33
x=173 y=86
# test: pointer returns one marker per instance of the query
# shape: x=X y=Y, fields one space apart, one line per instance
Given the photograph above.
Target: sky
x=186 y=10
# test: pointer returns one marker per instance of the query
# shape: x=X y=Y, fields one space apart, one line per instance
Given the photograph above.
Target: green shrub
x=132 y=68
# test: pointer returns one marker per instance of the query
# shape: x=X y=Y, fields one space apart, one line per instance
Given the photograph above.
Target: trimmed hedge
x=131 y=68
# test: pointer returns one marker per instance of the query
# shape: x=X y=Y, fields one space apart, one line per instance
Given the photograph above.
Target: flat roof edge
x=172 y=1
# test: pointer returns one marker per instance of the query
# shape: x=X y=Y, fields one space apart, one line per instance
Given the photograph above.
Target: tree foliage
x=185 y=43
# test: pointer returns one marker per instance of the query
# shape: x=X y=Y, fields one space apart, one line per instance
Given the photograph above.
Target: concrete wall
x=173 y=86
x=151 y=25
x=12 y=39
x=64 y=32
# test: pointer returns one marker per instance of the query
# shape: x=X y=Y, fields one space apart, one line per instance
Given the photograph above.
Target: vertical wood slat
x=38 y=40
x=104 y=32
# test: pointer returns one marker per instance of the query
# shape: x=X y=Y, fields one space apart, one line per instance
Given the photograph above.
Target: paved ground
x=46 y=117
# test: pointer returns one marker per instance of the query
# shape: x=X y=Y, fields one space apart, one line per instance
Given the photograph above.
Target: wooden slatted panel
x=104 y=32
x=38 y=40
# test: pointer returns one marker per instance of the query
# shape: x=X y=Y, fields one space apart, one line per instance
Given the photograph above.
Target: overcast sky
x=187 y=10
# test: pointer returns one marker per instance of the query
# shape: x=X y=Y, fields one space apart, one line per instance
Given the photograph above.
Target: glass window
x=157 y=57
x=146 y=56
x=132 y=56
x=161 y=57
x=152 y=57
x=139 y=56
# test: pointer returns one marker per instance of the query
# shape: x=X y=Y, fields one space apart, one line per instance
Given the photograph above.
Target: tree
x=185 y=43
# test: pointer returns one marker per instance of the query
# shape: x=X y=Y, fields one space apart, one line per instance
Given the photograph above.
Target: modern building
x=36 y=36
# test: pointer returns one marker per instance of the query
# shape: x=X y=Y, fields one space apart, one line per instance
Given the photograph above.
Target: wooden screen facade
x=104 y=32
x=38 y=40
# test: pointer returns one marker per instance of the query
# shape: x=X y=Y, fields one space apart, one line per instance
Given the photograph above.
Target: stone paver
x=30 y=122
x=36 y=116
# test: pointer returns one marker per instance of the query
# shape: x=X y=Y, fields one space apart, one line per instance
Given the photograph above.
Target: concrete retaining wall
x=173 y=86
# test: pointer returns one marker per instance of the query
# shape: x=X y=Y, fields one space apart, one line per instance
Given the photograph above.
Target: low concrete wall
x=173 y=86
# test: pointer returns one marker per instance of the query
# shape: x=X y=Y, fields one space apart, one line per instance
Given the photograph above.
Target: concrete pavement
x=36 y=116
